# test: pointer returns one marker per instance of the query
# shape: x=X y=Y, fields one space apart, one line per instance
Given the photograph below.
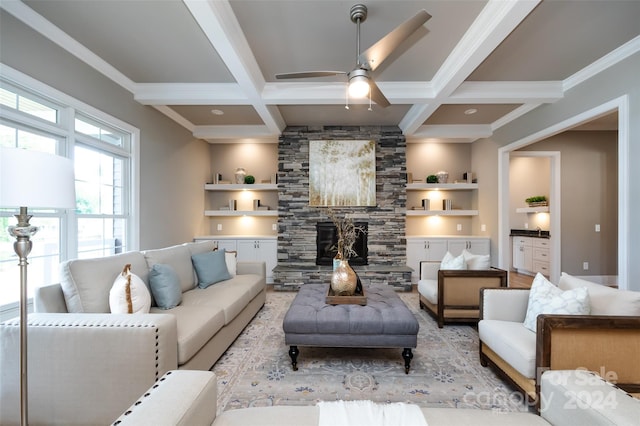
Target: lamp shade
x=36 y=180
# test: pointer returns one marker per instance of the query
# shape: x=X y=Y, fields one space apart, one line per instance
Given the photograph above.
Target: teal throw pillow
x=210 y=267
x=165 y=286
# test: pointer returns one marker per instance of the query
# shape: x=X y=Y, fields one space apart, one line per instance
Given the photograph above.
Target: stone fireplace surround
x=297 y=220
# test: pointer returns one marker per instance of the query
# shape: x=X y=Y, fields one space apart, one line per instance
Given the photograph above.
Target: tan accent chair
x=607 y=341
x=454 y=295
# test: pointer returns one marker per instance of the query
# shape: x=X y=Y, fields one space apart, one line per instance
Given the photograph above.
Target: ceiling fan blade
x=308 y=74
x=377 y=96
x=373 y=56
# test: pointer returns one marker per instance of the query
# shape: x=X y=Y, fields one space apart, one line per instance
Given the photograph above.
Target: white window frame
x=66 y=130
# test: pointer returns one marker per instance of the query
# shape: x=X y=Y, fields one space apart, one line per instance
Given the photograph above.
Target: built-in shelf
x=240 y=187
x=544 y=209
x=441 y=186
x=236 y=213
x=454 y=212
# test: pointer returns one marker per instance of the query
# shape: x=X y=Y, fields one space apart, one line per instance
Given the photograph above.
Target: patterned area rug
x=445 y=370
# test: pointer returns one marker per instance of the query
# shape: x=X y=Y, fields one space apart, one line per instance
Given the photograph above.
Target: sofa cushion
x=196 y=325
x=179 y=257
x=476 y=261
x=451 y=262
x=546 y=298
x=86 y=283
x=211 y=267
x=200 y=247
x=231 y=296
x=129 y=294
x=165 y=286
x=429 y=290
x=512 y=342
x=604 y=300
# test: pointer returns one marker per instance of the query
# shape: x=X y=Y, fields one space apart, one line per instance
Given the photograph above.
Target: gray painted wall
x=173 y=164
x=616 y=81
x=589 y=196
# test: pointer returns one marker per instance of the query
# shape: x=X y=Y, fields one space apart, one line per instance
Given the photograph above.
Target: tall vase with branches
x=344 y=279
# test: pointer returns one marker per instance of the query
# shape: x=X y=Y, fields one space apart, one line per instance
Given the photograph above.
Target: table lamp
x=36 y=180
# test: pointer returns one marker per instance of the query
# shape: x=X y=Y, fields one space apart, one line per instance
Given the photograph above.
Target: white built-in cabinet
x=531 y=255
x=434 y=248
x=250 y=249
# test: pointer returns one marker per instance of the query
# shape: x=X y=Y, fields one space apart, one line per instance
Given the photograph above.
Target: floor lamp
x=36 y=180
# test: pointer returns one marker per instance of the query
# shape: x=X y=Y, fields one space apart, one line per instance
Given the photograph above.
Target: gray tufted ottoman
x=384 y=322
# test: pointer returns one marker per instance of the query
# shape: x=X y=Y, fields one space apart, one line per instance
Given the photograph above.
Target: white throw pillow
x=476 y=261
x=129 y=294
x=230 y=258
x=450 y=262
x=604 y=300
x=546 y=298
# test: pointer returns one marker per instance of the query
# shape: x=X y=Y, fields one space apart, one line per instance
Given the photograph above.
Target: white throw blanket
x=368 y=413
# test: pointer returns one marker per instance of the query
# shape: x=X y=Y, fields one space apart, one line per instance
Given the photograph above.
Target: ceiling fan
x=361 y=82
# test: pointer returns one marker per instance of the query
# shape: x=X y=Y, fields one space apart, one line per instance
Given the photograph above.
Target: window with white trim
x=102 y=149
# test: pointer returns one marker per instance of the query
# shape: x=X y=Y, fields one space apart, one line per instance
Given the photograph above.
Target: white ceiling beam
x=494 y=23
x=232 y=132
x=323 y=93
x=487 y=92
x=190 y=94
x=220 y=25
x=454 y=131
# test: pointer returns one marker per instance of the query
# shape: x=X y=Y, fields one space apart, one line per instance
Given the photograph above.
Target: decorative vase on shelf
x=240 y=174
x=344 y=279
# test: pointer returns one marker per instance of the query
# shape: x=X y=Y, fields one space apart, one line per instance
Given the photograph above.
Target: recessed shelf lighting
x=470 y=111
x=217 y=112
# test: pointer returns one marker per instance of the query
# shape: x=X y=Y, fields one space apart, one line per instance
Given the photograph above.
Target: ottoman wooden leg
x=407 y=355
x=293 y=353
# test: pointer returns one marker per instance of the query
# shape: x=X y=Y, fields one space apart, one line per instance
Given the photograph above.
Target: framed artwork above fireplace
x=342 y=173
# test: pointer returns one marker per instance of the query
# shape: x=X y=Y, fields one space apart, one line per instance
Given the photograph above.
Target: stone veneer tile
x=297 y=220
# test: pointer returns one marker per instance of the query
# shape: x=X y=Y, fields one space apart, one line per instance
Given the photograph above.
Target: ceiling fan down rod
x=358 y=14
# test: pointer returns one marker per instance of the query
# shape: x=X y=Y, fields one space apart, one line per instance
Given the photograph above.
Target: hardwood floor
x=517 y=280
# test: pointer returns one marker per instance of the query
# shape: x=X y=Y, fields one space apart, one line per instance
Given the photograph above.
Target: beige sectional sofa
x=571 y=397
x=86 y=365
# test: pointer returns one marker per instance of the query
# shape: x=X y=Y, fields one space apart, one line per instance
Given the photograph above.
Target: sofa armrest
x=179 y=398
x=49 y=299
x=84 y=366
x=460 y=288
x=257 y=268
x=504 y=304
x=578 y=397
x=608 y=345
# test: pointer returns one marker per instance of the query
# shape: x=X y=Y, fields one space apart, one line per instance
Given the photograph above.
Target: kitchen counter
x=529 y=233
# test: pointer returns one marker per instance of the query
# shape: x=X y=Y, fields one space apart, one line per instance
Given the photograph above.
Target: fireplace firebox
x=327 y=244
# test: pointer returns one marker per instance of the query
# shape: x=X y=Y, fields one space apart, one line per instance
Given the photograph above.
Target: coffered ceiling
x=210 y=64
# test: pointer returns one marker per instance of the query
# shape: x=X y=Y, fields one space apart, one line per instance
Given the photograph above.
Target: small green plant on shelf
x=249 y=179
x=432 y=179
x=538 y=200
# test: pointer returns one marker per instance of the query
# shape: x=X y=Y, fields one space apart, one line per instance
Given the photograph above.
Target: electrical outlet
x=526 y=226
x=459 y=227
x=483 y=228
x=219 y=227
x=274 y=227
x=585 y=266
x=597 y=227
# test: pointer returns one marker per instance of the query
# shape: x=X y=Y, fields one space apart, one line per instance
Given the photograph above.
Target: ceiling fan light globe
x=358 y=87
